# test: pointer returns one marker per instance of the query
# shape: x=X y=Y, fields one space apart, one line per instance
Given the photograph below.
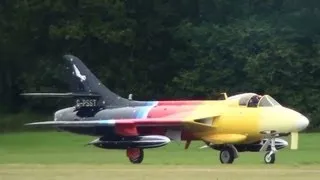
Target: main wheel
x=269 y=159
x=135 y=155
x=227 y=155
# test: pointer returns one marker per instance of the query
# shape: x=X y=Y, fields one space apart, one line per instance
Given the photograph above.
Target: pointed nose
x=302 y=123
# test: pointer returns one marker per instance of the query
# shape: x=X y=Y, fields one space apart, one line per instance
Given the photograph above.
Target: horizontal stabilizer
x=74 y=123
x=62 y=95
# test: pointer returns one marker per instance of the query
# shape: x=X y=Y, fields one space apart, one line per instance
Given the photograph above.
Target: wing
x=128 y=127
x=178 y=119
x=125 y=127
x=112 y=122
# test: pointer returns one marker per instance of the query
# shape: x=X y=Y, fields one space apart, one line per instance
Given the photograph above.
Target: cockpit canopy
x=254 y=100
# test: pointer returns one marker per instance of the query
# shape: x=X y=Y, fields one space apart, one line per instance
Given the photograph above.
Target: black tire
x=139 y=159
x=271 y=159
x=227 y=155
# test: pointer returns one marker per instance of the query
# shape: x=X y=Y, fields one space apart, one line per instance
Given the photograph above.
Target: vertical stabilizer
x=83 y=81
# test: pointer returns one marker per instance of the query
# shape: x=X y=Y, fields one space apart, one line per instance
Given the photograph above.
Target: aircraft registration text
x=86 y=102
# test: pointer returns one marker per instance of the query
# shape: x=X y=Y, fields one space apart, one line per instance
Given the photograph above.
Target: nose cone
x=302 y=123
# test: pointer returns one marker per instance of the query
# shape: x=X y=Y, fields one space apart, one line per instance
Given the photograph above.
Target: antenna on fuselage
x=225 y=95
x=130 y=97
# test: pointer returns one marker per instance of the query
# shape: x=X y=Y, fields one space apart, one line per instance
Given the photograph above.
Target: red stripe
x=149 y=122
x=126 y=129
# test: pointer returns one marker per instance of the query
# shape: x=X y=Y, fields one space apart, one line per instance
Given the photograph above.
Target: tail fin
x=83 y=81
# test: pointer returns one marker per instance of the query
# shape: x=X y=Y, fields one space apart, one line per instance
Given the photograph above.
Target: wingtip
x=30 y=94
x=203 y=147
x=37 y=123
x=28 y=124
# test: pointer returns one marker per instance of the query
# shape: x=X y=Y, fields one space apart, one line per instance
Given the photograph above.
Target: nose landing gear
x=270 y=156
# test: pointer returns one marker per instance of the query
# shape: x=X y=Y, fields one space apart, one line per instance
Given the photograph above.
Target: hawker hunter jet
x=239 y=123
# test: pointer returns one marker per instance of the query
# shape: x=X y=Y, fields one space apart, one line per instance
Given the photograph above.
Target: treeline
x=164 y=49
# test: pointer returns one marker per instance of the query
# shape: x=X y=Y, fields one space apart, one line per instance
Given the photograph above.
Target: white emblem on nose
x=78 y=74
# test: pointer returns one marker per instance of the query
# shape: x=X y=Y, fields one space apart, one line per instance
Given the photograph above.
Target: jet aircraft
x=239 y=123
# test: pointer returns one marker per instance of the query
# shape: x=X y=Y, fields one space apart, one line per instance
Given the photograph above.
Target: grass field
x=54 y=155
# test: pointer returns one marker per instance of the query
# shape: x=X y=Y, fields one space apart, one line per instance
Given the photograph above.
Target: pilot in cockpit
x=254 y=100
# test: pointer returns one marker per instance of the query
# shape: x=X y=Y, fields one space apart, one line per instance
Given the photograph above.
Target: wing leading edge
x=124 y=127
x=111 y=122
x=128 y=127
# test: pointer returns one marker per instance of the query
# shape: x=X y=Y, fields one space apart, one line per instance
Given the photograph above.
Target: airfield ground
x=56 y=155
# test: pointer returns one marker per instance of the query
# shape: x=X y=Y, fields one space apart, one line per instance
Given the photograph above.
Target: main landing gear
x=270 y=145
x=228 y=154
x=135 y=155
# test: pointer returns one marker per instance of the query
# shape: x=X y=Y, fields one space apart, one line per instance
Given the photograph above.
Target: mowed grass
x=154 y=172
x=59 y=155
x=62 y=148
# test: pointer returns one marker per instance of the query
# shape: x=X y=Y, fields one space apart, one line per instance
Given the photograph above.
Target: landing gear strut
x=270 y=157
x=135 y=155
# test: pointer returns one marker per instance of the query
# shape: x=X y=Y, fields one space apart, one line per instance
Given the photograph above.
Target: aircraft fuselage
x=230 y=120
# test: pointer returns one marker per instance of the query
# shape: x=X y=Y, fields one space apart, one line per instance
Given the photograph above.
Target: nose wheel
x=135 y=155
x=269 y=158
